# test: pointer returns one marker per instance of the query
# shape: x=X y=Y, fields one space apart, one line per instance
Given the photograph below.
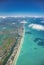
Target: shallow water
x=32 y=53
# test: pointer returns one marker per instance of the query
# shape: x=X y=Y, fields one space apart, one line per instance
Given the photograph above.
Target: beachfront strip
x=9 y=43
x=13 y=58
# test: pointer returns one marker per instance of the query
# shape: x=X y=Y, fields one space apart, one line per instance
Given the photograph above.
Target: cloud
x=13 y=23
x=36 y=26
x=23 y=21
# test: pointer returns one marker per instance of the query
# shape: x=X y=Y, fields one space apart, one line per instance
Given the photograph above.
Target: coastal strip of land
x=19 y=49
x=14 y=56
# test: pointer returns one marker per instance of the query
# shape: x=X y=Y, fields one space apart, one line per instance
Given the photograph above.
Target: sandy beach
x=19 y=49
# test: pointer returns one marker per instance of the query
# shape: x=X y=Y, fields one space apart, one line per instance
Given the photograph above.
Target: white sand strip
x=19 y=49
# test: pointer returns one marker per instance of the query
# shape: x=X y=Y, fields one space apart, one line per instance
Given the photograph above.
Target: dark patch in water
x=28 y=32
x=38 y=39
x=42 y=64
x=41 y=43
x=35 y=48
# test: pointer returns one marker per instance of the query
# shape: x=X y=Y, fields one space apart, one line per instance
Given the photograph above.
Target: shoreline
x=19 y=49
x=16 y=52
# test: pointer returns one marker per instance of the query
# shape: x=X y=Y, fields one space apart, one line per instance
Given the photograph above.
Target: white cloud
x=23 y=21
x=36 y=26
x=30 y=25
x=3 y=17
x=13 y=23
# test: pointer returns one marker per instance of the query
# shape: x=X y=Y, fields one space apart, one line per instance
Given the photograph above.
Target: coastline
x=16 y=52
x=19 y=49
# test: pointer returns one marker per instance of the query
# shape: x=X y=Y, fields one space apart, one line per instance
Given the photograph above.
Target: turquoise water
x=32 y=53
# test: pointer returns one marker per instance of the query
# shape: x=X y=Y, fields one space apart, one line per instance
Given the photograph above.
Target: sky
x=21 y=7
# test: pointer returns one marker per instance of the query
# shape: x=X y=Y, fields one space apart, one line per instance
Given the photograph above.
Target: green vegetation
x=9 y=53
x=8 y=40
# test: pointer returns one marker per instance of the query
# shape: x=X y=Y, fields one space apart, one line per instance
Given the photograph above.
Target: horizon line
x=21 y=16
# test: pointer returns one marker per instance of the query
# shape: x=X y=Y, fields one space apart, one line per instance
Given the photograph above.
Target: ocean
x=32 y=51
